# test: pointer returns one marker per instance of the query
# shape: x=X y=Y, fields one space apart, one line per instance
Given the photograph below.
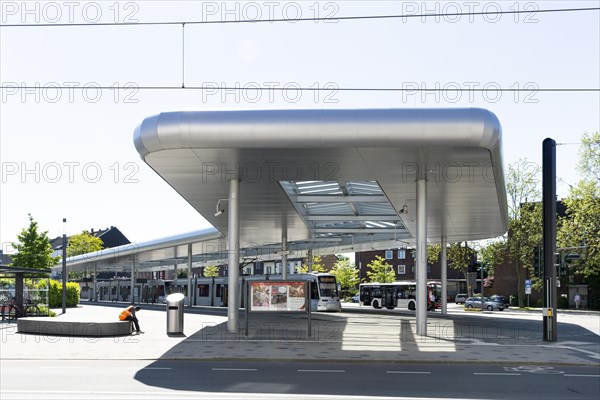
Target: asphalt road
x=138 y=379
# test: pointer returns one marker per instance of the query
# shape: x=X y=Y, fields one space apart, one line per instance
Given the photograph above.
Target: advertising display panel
x=278 y=296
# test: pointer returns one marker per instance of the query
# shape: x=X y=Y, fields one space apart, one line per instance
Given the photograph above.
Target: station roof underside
x=335 y=180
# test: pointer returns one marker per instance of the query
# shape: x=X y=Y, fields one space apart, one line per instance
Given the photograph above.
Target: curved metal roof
x=335 y=174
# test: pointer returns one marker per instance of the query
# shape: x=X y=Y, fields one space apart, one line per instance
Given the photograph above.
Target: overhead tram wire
x=306 y=89
x=315 y=19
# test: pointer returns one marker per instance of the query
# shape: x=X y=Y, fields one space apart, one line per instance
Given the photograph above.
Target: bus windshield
x=327 y=286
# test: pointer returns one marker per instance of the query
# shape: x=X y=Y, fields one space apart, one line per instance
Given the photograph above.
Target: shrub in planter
x=55 y=293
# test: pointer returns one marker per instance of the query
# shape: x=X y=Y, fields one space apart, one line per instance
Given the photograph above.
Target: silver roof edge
x=318 y=128
x=155 y=244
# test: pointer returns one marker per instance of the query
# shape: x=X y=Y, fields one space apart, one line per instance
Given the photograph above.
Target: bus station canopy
x=332 y=180
x=344 y=176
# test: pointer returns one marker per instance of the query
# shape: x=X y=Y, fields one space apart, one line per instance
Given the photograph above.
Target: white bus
x=401 y=294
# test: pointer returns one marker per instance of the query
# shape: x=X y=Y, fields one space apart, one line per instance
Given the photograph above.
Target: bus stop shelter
x=357 y=179
x=19 y=274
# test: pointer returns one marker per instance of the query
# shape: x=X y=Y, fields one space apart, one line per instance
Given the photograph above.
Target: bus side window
x=314 y=291
x=366 y=293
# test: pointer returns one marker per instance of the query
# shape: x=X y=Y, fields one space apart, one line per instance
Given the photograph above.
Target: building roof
x=111 y=237
x=340 y=175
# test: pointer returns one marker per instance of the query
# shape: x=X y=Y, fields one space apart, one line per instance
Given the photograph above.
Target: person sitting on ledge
x=128 y=314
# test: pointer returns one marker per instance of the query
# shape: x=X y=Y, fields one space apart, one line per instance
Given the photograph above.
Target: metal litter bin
x=175 y=313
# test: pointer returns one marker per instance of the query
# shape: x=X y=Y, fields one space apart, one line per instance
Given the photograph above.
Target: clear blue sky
x=65 y=138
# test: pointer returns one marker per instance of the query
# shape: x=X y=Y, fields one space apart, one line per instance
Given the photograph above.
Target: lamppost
x=64 y=267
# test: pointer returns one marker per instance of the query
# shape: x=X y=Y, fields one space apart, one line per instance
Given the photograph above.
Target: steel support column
x=233 y=243
x=189 y=274
x=133 y=281
x=65 y=274
x=310 y=262
x=284 y=257
x=549 y=225
x=421 y=253
x=95 y=284
x=444 y=267
x=19 y=286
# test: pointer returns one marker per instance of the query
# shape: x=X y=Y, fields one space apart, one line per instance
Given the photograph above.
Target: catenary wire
x=314 y=19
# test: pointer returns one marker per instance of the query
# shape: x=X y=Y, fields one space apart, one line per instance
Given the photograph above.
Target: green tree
x=581 y=225
x=457 y=256
x=83 y=243
x=33 y=248
x=525 y=220
x=346 y=275
x=380 y=271
x=317 y=265
x=493 y=255
x=589 y=156
x=211 y=271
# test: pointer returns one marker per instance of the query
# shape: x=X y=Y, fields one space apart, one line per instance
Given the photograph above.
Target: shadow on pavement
x=349 y=338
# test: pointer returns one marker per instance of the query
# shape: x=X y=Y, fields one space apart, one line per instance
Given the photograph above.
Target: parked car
x=488 y=304
x=356 y=298
x=501 y=299
x=460 y=298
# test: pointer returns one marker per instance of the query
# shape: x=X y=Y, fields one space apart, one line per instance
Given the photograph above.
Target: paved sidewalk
x=358 y=336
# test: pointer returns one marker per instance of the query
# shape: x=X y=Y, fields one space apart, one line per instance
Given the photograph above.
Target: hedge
x=55 y=293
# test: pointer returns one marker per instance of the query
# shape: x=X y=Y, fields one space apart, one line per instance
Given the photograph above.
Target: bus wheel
x=376 y=304
x=411 y=306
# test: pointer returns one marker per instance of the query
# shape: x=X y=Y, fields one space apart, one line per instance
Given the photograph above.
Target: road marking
x=407 y=372
x=158 y=368
x=234 y=369
x=497 y=373
x=322 y=370
x=59 y=367
x=586 y=352
x=587 y=376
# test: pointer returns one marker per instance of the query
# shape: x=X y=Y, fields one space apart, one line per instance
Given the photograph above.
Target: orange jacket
x=125 y=313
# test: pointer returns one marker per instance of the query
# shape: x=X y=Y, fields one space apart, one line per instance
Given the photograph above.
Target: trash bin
x=175 y=313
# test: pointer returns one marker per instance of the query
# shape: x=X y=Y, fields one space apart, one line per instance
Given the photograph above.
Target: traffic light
x=569 y=258
x=560 y=270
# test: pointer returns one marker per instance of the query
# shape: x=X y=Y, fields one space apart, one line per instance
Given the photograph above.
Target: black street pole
x=64 y=267
x=549 y=217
